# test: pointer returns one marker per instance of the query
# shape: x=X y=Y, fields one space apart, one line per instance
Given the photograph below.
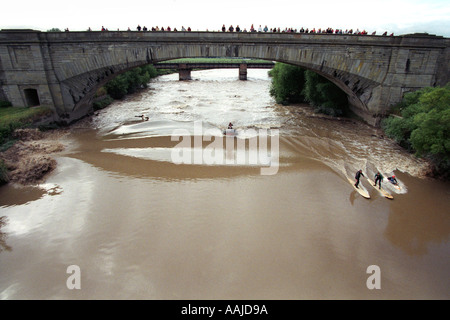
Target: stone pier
x=184 y=72
x=243 y=71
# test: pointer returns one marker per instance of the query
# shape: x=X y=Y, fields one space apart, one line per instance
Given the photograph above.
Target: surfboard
x=361 y=190
x=230 y=132
x=383 y=192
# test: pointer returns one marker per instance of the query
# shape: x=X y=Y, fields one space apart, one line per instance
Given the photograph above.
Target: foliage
x=292 y=84
x=5 y=104
x=102 y=103
x=130 y=81
x=325 y=96
x=399 y=129
x=100 y=92
x=287 y=83
x=12 y=118
x=424 y=127
x=54 y=30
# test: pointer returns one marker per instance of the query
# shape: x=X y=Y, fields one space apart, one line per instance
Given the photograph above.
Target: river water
x=140 y=225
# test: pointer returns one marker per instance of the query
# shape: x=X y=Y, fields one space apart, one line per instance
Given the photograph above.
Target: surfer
x=378 y=178
x=393 y=180
x=358 y=176
x=144 y=118
x=230 y=126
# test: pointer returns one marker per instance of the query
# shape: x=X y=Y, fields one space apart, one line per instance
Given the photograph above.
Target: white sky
x=398 y=16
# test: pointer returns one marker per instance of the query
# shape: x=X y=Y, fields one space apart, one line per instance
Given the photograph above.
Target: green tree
x=130 y=81
x=324 y=95
x=287 y=83
x=293 y=84
x=117 y=88
x=54 y=30
x=424 y=127
x=432 y=121
x=400 y=130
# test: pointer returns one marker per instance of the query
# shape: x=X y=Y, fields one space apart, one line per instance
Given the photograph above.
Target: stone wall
x=66 y=68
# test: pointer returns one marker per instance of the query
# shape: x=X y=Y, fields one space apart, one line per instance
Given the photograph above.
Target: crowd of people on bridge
x=231 y=28
x=301 y=30
x=144 y=28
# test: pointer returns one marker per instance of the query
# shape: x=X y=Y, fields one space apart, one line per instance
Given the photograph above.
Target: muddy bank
x=31 y=158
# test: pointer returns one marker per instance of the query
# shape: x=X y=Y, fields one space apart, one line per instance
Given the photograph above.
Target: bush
x=287 y=83
x=424 y=127
x=100 y=104
x=12 y=118
x=324 y=95
x=100 y=92
x=130 y=81
x=292 y=84
x=5 y=104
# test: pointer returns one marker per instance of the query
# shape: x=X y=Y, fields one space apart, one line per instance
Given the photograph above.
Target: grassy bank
x=12 y=118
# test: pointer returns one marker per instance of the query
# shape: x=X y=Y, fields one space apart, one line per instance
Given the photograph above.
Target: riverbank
x=31 y=157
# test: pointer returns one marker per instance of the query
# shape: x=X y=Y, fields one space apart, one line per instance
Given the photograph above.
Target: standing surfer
x=378 y=178
x=358 y=176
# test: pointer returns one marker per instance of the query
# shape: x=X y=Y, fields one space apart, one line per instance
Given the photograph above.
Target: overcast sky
x=398 y=16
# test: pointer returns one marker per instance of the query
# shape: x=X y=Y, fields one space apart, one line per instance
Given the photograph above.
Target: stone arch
x=79 y=90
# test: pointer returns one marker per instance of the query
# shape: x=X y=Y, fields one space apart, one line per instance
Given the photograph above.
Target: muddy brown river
x=156 y=210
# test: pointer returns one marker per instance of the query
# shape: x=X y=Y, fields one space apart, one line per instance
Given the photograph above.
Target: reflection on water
x=416 y=226
x=20 y=195
x=140 y=226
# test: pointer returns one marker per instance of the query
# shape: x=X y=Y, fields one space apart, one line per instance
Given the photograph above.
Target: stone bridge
x=63 y=69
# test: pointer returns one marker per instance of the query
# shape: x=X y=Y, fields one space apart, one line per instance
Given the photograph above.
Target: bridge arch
x=67 y=67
